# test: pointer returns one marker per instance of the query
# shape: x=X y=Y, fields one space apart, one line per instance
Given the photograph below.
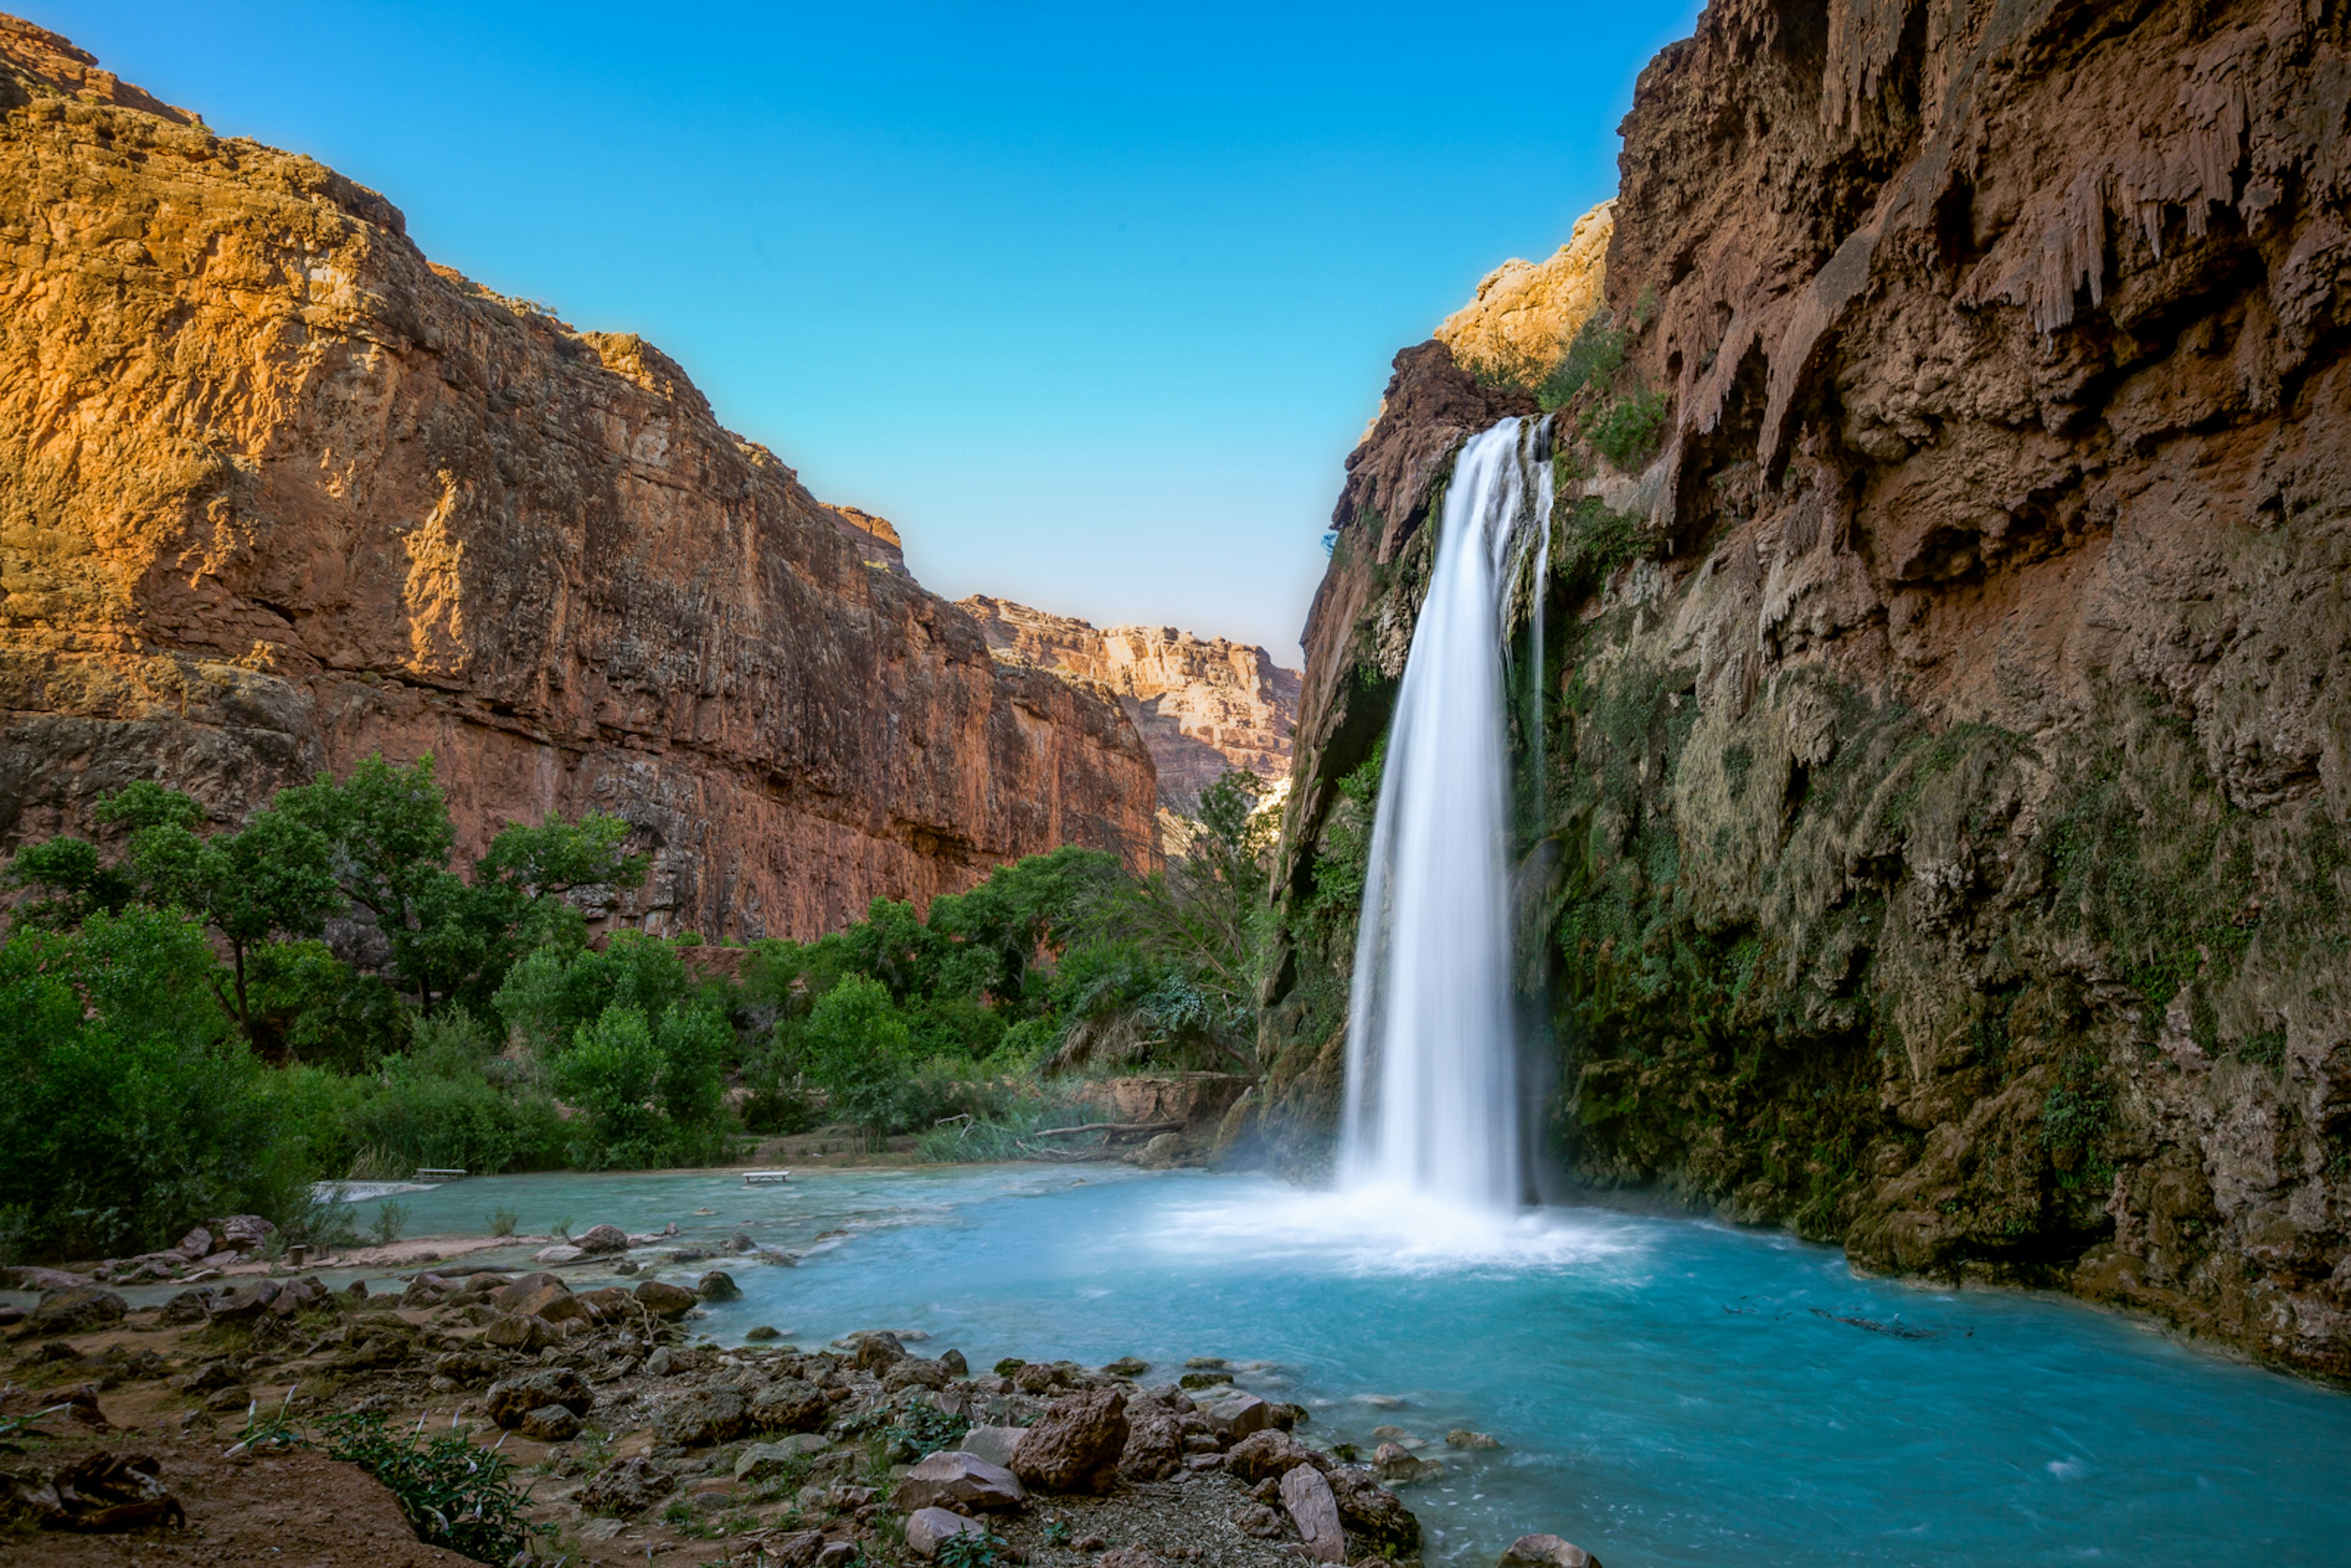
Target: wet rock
x=1161 y=1153
x=718 y=1285
x=761 y=1333
x=549 y=1424
x=509 y=1331
x=1196 y=1381
x=703 y=1417
x=790 y=1404
x=75 y=1310
x=1238 y=1415
x=664 y=1300
x=626 y=1487
x=1315 y=1510
x=1127 y=1366
x=1547 y=1551
x=1075 y=1446
x=601 y=1240
x=1373 y=1511
x=561 y=1253
x=1396 y=1463
x=956 y=1480
x=878 y=1350
x=1462 y=1437
x=509 y=1403
x=1259 y=1520
x=929 y=1529
x=1267 y=1455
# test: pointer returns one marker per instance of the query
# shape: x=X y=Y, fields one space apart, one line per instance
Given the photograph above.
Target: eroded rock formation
x=1526 y=313
x=1203 y=705
x=276 y=492
x=1950 y=756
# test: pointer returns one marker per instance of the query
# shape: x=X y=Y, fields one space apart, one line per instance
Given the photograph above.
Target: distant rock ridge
x=1526 y=313
x=279 y=493
x=1204 y=703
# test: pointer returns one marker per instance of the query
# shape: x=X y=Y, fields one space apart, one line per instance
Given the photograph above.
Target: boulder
x=664 y=1300
x=1264 y=1454
x=956 y=1365
x=1075 y=1445
x=718 y=1285
x=765 y=1462
x=702 y=1416
x=789 y=1404
x=994 y=1444
x=1373 y=1511
x=1547 y=1551
x=1238 y=1415
x=1154 y=1444
x=1127 y=1366
x=837 y=1554
x=561 y=1253
x=551 y=1304
x=244 y=1304
x=1259 y=1520
x=509 y=1331
x=797 y=1550
x=469 y=1367
x=197 y=1243
x=76 y=1309
x=1394 y=1462
x=953 y=1479
x=1462 y=1437
x=509 y=1403
x=626 y=1487
x=549 y=1424
x=1315 y=1510
x=602 y=1240
x=927 y=1529
x=610 y=1304
x=187 y=1307
x=877 y=1351
x=1161 y=1152
x=915 y=1372
x=241 y=1233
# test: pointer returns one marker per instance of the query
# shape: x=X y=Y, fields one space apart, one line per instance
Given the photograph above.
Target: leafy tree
x=128 y=1110
x=860 y=1053
x=270 y=878
x=71 y=883
x=555 y=992
x=651 y=1091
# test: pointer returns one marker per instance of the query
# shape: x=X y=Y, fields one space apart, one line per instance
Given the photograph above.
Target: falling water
x=1431 y=1068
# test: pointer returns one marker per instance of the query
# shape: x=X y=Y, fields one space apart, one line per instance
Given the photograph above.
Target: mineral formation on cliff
x=276 y=492
x=1203 y=705
x=1943 y=840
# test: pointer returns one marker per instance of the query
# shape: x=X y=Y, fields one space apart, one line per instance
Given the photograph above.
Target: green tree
x=650 y=1091
x=128 y=1110
x=858 y=1051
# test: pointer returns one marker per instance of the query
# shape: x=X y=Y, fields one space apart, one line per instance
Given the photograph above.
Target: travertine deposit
x=1203 y=705
x=1950 y=751
x=276 y=492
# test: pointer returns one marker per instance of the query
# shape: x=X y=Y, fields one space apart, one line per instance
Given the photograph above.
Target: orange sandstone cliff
x=276 y=492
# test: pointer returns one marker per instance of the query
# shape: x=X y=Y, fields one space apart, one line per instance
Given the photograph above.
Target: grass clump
x=454 y=1494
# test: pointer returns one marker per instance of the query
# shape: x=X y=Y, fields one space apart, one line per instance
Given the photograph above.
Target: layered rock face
x=1203 y=705
x=1942 y=845
x=276 y=493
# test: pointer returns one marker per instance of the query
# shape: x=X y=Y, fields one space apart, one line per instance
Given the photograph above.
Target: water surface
x=1668 y=1391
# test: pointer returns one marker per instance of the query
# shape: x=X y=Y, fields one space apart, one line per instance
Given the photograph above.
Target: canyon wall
x=1941 y=848
x=1203 y=705
x=276 y=492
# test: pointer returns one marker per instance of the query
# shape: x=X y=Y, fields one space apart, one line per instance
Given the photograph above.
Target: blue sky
x=1091 y=301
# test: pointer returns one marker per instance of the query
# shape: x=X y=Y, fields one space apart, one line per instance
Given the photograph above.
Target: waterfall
x=1432 y=1054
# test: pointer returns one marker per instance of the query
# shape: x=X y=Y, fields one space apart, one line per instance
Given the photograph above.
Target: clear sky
x=1091 y=300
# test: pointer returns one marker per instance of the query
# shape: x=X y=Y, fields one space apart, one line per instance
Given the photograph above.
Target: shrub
x=128 y=1109
x=859 y=1052
x=454 y=1494
x=649 y=1090
x=1593 y=356
x=1628 y=429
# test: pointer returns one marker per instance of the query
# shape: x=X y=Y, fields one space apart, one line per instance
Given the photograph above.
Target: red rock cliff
x=276 y=492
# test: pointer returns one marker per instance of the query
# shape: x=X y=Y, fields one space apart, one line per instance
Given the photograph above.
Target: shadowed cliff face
x=276 y=493
x=1941 y=848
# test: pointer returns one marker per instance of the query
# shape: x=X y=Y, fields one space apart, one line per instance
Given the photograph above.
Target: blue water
x=1668 y=1391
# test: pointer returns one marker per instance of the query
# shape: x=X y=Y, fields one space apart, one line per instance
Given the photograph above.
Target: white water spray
x=1432 y=1053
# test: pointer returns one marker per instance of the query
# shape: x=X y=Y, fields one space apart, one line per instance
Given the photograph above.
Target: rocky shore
x=635 y=1438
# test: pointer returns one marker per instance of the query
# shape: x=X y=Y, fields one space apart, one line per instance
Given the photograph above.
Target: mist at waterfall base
x=1432 y=1091
x=1668 y=1391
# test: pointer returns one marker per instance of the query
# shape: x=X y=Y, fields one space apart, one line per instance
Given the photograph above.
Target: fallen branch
x=1110 y=1129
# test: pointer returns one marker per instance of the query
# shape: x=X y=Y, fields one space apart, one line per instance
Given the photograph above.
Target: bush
x=649 y=1092
x=1628 y=429
x=1593 y=356
x=128 y=1111
x=455 y=1494
x=860 y=1052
